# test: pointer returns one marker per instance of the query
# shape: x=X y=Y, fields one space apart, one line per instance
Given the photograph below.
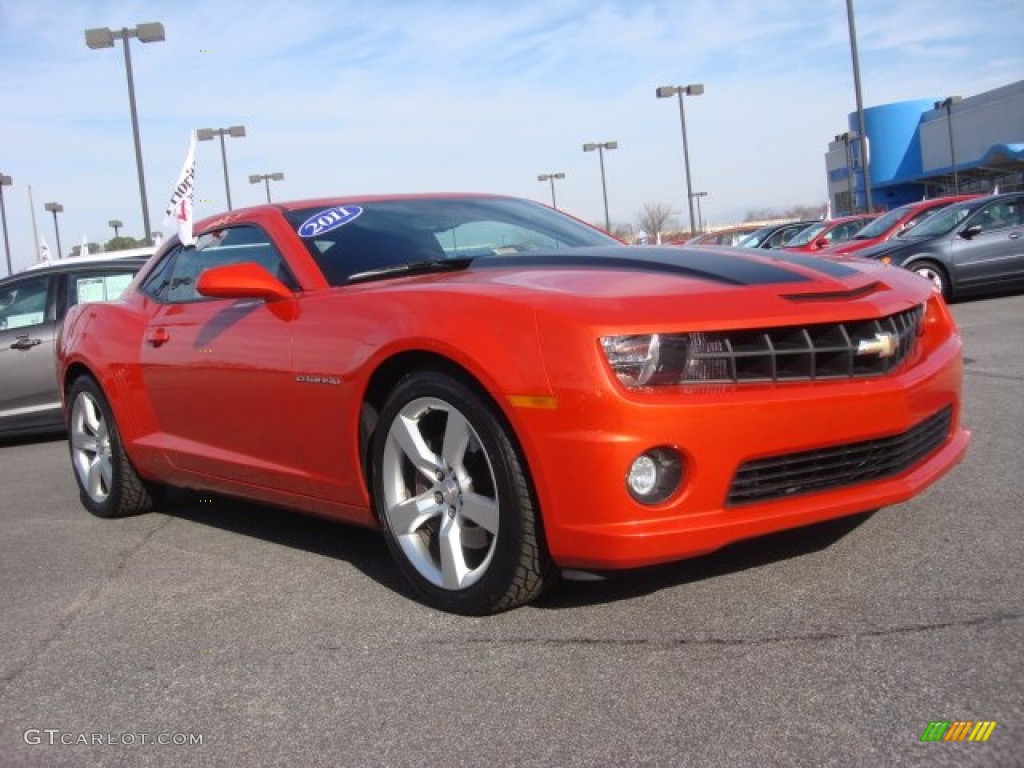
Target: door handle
x=24 y=342
x=158 y=336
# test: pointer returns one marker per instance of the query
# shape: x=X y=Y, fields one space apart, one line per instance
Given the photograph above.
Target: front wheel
x=109 y=484
x=935 y=274
x=454 y=499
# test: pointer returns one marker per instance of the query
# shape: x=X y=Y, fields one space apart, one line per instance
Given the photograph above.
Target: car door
x=28 y=376
x=218 y=371
x=994 y=254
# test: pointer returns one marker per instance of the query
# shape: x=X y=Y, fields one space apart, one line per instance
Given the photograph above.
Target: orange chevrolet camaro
x=506 y=392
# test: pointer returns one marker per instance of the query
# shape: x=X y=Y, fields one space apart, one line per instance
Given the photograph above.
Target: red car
x=892 y=224
x=505 y=391
x=826 y=232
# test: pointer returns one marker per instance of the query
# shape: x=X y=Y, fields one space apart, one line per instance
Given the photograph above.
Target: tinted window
x=174 y=279
x=999 y=214
x=25 y=303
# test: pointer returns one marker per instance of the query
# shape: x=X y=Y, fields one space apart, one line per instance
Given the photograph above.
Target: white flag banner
x=179 y=210
x=44 y=252
x=83 y=250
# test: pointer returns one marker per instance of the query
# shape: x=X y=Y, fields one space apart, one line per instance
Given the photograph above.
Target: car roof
x=79 y=262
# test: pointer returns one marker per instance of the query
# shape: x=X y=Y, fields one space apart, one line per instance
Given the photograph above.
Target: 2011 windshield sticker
x=332 y=218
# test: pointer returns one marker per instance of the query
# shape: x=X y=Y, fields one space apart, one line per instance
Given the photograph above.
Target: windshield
x=943 y=222
x=379 y=236
x=804 y=236
x=883 y=223
x=755 y=238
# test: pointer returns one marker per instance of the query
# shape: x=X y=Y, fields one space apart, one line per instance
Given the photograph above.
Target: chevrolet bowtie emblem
x=883 y=345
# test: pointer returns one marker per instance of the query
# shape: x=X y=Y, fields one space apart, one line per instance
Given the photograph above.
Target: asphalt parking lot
x=276 y=639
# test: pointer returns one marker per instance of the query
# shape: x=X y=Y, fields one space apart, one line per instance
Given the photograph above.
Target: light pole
x=694 y=89
x=55 y=208
x=700 y=221
x=207 y=134
x=266 y=178
x=104 y=37
x=5 y=181
x=947 y=104
x=863 y=129
x=550 y=177
x=116 y=224
x=601 y=147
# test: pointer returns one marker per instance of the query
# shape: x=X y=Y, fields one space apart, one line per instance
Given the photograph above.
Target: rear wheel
x=108 y=483
x=929 y=270
x=454 y=499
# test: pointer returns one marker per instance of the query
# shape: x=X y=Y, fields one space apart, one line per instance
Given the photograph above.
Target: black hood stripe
x=721 y=267
x=817 y=263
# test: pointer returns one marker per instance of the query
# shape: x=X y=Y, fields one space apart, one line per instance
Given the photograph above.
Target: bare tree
x=652 y=218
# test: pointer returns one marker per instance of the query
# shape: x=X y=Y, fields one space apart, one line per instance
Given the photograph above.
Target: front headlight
x=655 y=359
x=633 y=358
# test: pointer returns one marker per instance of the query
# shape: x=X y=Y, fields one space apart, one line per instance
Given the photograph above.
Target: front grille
x=860 y=348
x=839 y=466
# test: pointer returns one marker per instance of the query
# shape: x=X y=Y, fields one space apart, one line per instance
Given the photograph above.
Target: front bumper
x=579 y=454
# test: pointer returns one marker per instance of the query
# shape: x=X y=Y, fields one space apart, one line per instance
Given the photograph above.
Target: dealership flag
x=179 y=210
x=44 y=252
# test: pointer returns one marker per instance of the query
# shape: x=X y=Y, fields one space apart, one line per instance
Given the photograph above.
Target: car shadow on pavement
x=365 y=549
x=734 y=558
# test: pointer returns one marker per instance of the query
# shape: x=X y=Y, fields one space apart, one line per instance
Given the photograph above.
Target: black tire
x=936 y=274
x=108 y=484
x=476 y=504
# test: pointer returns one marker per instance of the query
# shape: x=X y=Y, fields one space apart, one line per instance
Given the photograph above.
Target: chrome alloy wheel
x=90 y=448
x=440 y=493
x=929 y=272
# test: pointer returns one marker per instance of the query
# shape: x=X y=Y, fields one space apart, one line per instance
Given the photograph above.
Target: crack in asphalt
x=994 y=375
x=79 y=604
x=999 y=618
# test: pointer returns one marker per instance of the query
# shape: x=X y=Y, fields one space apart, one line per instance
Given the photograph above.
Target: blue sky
x=457 y=95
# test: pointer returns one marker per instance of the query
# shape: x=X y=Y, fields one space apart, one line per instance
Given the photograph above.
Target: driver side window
x=25 y=304
x=174 y=280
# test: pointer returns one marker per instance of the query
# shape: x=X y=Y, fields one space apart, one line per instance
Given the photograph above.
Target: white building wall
x=979 y=123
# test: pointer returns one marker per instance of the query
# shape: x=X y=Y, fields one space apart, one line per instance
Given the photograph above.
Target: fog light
x=654 y=475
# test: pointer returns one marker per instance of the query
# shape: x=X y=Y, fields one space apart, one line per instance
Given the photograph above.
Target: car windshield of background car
x=942 y=223
x=881 y=225
x=807 y=235
x=381 y=236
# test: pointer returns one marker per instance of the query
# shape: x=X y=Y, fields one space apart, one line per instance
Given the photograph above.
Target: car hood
x=631 y=281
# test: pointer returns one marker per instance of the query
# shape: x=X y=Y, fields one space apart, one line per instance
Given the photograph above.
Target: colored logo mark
x=958 y=730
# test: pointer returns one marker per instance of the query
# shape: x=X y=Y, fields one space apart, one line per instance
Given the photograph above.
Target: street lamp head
x=695 y=89
x=115 y=223
x=150 y=32
x=589 y=147
x=5 y=181
x=611 y=145
x=204 y=134
x=277 y=176
x=101 y=37
x=236 y=131
x=666 y=91
x=255 y=178
x=54 y=207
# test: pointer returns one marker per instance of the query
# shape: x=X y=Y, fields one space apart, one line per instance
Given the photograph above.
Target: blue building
x=929 y=148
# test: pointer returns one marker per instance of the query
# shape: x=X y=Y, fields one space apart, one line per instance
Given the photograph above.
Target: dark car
x=32 y=305
x=774 y=235
x=968 y=248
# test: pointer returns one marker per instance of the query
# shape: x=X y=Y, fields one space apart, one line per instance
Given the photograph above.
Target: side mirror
x=247 y=280
x=972 y=231
x=822 y=242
